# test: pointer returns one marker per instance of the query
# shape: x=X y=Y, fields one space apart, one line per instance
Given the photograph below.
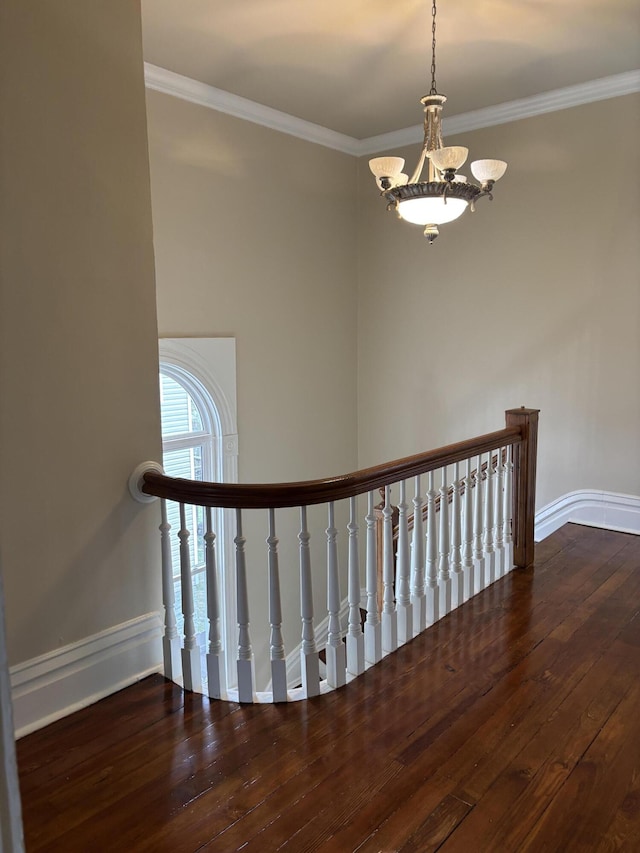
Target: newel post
x=524 y=484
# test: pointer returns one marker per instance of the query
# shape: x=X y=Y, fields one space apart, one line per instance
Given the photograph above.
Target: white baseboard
x=55 y=684
x=609 y=510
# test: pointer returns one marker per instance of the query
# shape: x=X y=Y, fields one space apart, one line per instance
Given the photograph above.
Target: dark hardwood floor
x=512 y=725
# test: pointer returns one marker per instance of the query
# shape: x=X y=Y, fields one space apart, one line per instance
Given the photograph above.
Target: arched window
x=200 y=442
x=190 y=433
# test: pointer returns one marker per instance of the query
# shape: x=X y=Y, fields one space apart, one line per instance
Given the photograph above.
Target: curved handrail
x=306 y=493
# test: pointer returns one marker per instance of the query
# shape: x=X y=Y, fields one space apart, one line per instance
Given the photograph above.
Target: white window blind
x=185 y=444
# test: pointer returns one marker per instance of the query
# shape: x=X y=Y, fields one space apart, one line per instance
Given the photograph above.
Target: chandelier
x=446 y=194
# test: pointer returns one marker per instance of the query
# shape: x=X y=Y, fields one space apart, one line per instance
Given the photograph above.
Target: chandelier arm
x=393 y=201
x=418 y=170
x=472 y=205
x=432 y=135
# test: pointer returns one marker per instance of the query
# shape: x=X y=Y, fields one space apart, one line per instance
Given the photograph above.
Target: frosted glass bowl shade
x=431 y=211
x=451 y=157
x=386 y=167
x=398 y=181
x=488 y=170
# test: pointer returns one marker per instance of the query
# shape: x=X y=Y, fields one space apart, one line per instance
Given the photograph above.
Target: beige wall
x=78 y=337
x=533 y=300
x=255 y=237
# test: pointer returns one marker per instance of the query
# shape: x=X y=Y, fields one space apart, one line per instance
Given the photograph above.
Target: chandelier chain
x=434 y=90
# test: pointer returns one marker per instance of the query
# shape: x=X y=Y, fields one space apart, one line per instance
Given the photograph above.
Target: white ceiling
x=360 y=67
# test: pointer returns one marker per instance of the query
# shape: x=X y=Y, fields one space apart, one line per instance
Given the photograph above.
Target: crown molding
x=170 y=83
x=548 y=102
x=179 y=86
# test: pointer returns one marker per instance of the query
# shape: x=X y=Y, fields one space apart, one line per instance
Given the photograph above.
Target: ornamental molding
x=169 y=83
x=609 y=510
x=59 y=682
x=548 y=102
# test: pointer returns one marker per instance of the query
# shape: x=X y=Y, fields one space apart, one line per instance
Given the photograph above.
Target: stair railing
x=472 y=524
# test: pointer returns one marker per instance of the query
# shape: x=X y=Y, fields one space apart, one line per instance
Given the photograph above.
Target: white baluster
x=478 y=551
x=246 y=666
x=444 y=577
x=418 y=595
x=389 y=615
x=171 y=640
x=508 y=510
x=404 y=572
x=355 y=637
x=191 y=669
x=457 y=578
x=372 y=630
x=309 y=662
x=215 y=655
x=499 y=515
x=489 y=552
x=276 y=643
x=433 y=595
x=335 y=649
x=468 y=565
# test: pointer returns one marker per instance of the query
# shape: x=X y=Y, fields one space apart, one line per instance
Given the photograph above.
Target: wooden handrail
x=306 y=493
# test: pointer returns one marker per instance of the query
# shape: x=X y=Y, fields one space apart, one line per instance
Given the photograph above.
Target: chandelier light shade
x=432 y=209
x=488 y=170
x=452 y=157
x=445 y=194
x=389 y=167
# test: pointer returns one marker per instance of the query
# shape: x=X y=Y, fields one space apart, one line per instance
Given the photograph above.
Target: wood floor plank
x=580 y=814
x=523 y=790
x=563 y=674
x=536 y=666
x=433 y=831
x=483 y=734
x=461 y=754
x=457 y=751
x=164 y=747
x=67 y=743
x=623 y=832
x=216 y=760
